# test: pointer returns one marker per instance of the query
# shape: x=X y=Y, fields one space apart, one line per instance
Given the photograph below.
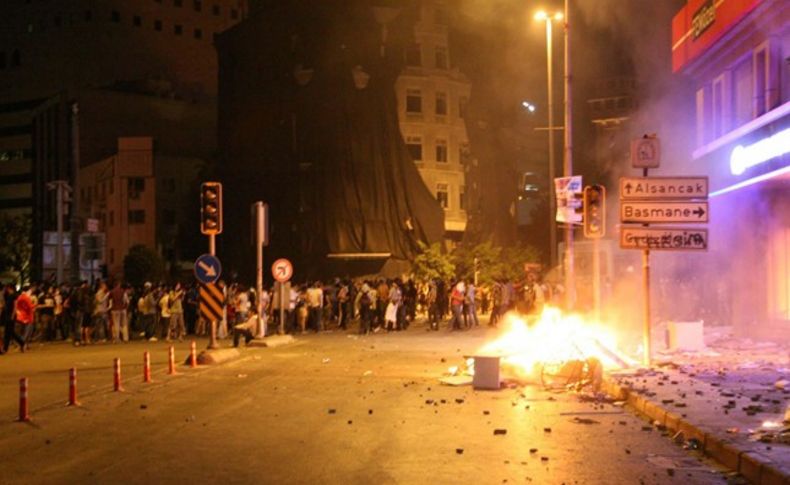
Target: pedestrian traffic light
x=211 y=208
x=594 y=211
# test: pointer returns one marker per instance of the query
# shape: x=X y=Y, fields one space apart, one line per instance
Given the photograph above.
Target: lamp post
x=567 y=168
x=543 y=16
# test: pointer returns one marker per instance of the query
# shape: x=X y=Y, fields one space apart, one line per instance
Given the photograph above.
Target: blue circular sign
x=207 y=269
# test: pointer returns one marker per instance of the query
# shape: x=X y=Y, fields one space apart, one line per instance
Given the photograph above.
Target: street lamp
x=528 y=106
x=543 y=16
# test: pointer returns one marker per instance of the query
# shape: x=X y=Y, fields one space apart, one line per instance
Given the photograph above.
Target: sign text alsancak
x=668 y=212
x=663 y=188
x=663 y=238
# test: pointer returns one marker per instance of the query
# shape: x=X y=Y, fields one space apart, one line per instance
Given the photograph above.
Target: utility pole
x=74 y=214
x=62 y=189
x=570 y=288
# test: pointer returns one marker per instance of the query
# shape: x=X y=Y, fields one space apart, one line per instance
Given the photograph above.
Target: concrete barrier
x=272 y=341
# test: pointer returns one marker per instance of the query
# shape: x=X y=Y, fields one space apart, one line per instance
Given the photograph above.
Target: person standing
x=25 y=315
x=177 y=325
x=164 y=315
x=456 y=305
x=432 y=301
x=365 y=301
x=9 y=320
x=100 y=309
x=119 y=302
x=391 y=313
x=315 y=306
x=496 y=304
x=470 y=304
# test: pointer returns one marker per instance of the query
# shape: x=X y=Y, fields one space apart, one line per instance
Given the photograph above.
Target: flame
x=553 y=338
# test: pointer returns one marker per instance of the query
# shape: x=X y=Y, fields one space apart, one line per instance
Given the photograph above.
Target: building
x=613 y=102
x=120 y=193
x=432 y=100
x=77 y=74
x=737 y=52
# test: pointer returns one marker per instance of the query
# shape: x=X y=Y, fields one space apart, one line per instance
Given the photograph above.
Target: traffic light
x=211 y=208
x=594 y=211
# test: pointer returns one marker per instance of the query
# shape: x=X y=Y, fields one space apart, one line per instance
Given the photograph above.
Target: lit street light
x=528 y=106
x=543 y=16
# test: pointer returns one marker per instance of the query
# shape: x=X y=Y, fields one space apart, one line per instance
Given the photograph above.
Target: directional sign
x=207 y=269
x=663 y=212
x=663 y=188
x=663 y=238
x=282 y=270
x=212 y=302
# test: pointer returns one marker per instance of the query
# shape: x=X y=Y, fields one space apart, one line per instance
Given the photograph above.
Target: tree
x=432 y=263
x=16 y=250
x=514 y=258
x=489 y=262
x=142 y=264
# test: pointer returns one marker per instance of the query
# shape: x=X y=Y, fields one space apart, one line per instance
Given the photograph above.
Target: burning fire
x=529 y=344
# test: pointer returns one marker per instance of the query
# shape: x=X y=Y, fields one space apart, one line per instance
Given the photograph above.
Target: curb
x=752 y=465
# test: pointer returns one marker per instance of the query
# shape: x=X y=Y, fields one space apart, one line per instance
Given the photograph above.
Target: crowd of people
x=115 y=312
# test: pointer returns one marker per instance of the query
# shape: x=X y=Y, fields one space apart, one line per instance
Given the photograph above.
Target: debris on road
x=579 y=420
x=500 y=431
x=459 y=451
x=332 y=411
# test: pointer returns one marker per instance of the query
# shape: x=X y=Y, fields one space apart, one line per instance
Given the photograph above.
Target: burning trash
x=553 y=349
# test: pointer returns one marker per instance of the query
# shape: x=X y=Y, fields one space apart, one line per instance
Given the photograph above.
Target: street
x=330 y=408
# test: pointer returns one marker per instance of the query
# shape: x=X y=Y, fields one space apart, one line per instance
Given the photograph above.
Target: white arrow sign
x=667 y=212
x=663 y=188
x=211 y=271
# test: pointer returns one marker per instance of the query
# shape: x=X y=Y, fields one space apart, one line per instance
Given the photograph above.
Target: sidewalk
x=729 y=401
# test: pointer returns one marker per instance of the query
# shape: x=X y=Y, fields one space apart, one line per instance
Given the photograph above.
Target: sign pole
x=212 y=250
x=596 y=262
x=282 y=306
x=646 y=287
x=261 y=330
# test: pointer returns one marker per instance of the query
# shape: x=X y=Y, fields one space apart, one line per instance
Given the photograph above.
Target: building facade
x=432 y=100
x=737 y=53
x=120 y=193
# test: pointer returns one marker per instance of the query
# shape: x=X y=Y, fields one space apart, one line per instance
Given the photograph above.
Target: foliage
x=142 y=264
x=489 y=262
x=433 y=263
x=513 y=259
x=16 y=248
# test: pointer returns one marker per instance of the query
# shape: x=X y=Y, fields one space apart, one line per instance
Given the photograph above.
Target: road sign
x=646 y=212
x=212 y=302
x=663 y=188
x=207 y=268
x=568 y=191
x=663 y=238
x=282 y=270
x=645 y=152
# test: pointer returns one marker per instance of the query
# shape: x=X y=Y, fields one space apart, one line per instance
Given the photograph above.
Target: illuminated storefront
x=736 y=52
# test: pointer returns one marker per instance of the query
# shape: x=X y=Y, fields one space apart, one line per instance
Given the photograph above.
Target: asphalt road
x=330 y=408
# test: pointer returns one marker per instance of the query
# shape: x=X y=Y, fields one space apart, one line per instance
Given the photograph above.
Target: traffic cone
x=73 y=387
x=171 y=365
x=24 y=415
x=146 y=367
x=193 y=355
x=117 y=375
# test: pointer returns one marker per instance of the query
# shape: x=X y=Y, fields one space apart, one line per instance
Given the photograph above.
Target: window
x=234 y=14
x=88 y=15
x=463 y=102
x=137 y=21
x=760 y=81
x=111 y=187
x=135 y=185
x=742 y=92
x=197 y=5
x=169 y=185
x=169 y=217
x=414 y=144
x=462 y=198
x=58 y=21
x=16 y=58
x=158 y=25
x=136 y=216
x=178 y=3
x=413 y=55
x=441 y=58
x=441 y=150
x=198 y=33
x=719 y=108
x=112 y=218
x=178 y=29
x=2 y=60
x=115 y=16
x=703 y=115
x=442 y=195
x=413 y=101
x=441 y=104
x=216 y=10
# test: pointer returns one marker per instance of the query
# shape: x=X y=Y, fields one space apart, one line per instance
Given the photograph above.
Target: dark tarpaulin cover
x=360 y=192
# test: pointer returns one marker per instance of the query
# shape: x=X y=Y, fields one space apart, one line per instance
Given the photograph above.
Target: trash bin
x=486 y=372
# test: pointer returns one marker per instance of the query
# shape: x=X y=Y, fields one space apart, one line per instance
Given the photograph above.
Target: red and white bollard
x=73 y=387
x=193 y=355
x=171 y=365
x=117 y=375
x=146 y=367
x=24 y=414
